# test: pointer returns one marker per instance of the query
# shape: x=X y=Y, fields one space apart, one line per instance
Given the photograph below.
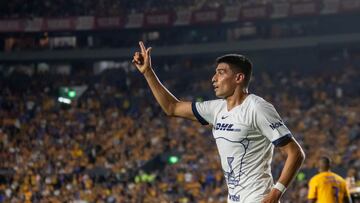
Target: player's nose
x=214 y=79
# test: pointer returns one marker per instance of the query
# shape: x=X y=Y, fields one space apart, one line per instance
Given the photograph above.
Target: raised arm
x=294 y=159
x=168 y=102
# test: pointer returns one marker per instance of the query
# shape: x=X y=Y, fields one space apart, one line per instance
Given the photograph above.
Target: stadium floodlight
x=173 y=159
x=71 y=93
x=64 y=100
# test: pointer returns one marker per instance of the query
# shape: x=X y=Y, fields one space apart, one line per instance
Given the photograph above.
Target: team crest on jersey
x=235 y=198
x=226 y=127
x=230 y=176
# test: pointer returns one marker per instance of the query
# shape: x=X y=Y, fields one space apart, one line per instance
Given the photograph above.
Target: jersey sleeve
x=204 y=111
x=347 y=193
x=269 y=123
x=312 y=192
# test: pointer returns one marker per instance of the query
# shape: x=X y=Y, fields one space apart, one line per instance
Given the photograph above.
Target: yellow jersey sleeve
x=346 y=191
x=312 y=194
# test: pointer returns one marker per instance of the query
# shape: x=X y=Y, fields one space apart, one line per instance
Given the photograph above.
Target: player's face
x=224 y=81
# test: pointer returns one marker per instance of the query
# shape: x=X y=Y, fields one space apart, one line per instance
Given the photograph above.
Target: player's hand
x=273 y=196
x=142 y=60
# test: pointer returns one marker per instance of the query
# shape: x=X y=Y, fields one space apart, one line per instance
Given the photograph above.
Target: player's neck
x=236 y=99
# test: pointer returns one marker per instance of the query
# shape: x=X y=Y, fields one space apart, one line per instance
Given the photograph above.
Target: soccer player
x=327 y=187
x=245 y=126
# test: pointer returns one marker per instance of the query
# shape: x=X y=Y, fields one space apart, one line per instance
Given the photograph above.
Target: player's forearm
x=162 y=95
x=294 y=160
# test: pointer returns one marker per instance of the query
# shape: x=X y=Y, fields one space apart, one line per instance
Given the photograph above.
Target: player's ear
x=240 y=77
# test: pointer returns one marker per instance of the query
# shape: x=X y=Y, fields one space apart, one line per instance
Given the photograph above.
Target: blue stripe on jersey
x=282 y=140
x=229 y=140
x=197 y=115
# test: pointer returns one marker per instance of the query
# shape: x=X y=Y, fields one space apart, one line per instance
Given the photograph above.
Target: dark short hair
x=239 y=63
x=326 y=161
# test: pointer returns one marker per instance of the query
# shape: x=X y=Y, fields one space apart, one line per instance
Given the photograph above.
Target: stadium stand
x=114 y=144
x=95 y=149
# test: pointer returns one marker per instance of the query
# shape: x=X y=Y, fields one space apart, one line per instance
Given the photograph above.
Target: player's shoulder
x=323 y=176
x=316 y=178
x=215 y=102
x=256 y=101
x=338 y=177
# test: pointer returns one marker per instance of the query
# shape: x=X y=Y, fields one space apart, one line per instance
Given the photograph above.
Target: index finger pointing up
x=142 y=47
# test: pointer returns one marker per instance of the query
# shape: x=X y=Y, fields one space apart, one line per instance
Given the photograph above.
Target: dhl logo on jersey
x=226 y=127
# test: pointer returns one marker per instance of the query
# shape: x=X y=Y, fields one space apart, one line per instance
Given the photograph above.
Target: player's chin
x=219 y=95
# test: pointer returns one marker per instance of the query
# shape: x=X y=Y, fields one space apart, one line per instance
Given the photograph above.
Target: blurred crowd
x=94 y=149
x=119 y=36
x=61 y=8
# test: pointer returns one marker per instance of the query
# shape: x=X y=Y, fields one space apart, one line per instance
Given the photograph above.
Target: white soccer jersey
x=245 y=137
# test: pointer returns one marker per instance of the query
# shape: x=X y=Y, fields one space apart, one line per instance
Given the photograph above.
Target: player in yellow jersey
x=327 y=187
